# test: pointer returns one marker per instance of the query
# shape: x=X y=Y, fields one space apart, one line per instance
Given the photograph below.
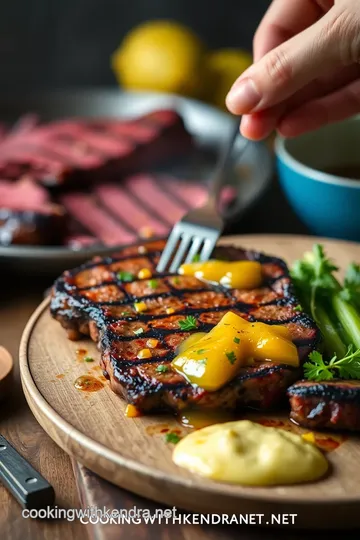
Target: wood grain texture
x=96 y=492
x=19 y=426
x=93 y=429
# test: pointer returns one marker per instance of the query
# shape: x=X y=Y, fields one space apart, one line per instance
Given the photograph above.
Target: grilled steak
x=326 y=405
x=27 y=216
x=80 y=151
x=96 y=300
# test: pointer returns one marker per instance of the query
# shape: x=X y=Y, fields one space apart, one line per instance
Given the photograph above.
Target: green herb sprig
x=189 y=323
x=231 y=356
x=172 y=438
x=125 y=276
x=348 y=367
x=162 y=368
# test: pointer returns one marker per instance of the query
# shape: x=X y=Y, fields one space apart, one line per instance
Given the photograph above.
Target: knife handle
x=29 y=488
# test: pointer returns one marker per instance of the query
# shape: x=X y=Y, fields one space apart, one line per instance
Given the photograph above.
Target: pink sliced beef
x=27 y=215
x=79 y=151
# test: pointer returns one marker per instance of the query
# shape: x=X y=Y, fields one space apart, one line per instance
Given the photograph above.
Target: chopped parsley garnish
x=125 y=276
x=196 y=258
x=88 y=359
x=298 y=308
x=236 y=340
x=172 y=438
x=188 y=324
x=231 y=356
x=153 y=283
x=139 y=331
x=162 y=368
x=176 y=281
x=200 y=351
x=125 y=313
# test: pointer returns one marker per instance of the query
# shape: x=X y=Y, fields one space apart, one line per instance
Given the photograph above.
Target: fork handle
x=219 y=177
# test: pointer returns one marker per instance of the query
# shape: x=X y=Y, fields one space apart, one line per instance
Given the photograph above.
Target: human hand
x=306 y=70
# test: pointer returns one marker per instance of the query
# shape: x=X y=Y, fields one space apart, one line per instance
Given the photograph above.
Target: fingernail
x=243 y=97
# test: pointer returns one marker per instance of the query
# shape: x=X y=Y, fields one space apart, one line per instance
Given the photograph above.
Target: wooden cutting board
x=133 y=454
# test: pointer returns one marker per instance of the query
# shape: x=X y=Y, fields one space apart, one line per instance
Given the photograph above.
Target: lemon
x=224 y=66
x=161 y=56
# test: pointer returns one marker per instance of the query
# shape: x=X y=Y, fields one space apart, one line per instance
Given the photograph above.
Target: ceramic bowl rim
x=284 y=155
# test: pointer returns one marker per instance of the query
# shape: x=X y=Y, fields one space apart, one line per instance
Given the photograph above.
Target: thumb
x=325 y=46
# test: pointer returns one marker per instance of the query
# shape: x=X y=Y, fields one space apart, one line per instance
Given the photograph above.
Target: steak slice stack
x=78 y=151
x=97 y=299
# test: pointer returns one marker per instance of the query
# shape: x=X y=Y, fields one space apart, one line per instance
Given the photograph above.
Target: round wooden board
x=133 y=454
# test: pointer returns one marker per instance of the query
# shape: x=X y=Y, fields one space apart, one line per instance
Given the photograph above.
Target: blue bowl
x=329 y=205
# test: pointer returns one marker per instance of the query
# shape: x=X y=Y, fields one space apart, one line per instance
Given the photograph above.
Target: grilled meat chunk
x=331 y=404
x=97 y=299
x=27 y=215
x=79 y=151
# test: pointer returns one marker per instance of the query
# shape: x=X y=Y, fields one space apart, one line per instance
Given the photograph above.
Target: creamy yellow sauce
x=247 y=453
x=213 y=359
x=236 y=274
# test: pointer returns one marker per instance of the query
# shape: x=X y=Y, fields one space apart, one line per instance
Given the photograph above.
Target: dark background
x=63 y=43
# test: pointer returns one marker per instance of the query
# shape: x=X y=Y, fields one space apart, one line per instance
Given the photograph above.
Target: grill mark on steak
x=333 y=405
x=92 y=299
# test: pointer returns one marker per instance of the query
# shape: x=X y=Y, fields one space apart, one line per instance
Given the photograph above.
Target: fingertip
x=257 y=126
x=231 y=104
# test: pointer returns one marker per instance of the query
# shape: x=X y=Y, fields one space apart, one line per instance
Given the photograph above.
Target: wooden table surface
x=19 y=297
x=19 y=426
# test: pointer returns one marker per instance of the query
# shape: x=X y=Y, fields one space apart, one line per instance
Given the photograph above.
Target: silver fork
x=199 y=230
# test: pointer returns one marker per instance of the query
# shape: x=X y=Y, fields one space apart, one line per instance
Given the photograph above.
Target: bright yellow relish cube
x=131 y=411
x=144 y=273
x=140 y=306
x=170 y=310
x=152 y=343
x=310 y=437
x=144 y=353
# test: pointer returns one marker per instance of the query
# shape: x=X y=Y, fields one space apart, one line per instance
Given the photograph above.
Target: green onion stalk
x=322 y=296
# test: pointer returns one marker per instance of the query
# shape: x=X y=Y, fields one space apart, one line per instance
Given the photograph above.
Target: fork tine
x=209 y=245
x=185 y=241
x=194 y=249
x=169 y=249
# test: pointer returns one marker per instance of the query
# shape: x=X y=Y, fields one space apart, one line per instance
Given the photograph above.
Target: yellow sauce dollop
x=247 y=453
x=212 y=360
x=235 y=274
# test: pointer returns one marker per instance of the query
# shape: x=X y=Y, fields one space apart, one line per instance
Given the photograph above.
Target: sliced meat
x=79 y=151
x=27 y=215
x=126 y=314
x=333 y=405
